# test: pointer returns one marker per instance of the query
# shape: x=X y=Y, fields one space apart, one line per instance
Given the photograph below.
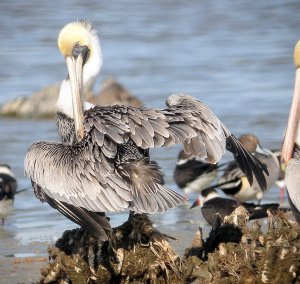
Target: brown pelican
x=193 y=175
x=290 y=150
x=107 y=167
x=8 y=187
x=214 y=207
x=234 y=182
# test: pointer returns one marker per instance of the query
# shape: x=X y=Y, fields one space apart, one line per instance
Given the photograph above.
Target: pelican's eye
x=76 y=49
x=83 y=50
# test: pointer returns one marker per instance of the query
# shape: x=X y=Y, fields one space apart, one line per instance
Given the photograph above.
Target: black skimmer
x=290 y=151
x=193 y=175
x=234 y=182
x=214 y=207
x=8 y=188
x=107 y=167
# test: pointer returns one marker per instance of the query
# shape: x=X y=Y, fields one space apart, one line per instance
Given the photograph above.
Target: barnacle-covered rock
x=250 y=256
x=234 y=252
x=137 y=253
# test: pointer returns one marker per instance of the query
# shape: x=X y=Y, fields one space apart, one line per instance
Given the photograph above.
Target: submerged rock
x=43 y=103
x=39 y=105
x=113 y=93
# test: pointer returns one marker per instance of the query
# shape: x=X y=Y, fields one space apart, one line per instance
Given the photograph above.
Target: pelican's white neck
x=64 y=102
x=93 y=66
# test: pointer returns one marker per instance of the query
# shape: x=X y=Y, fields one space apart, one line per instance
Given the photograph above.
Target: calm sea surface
x=236 y=57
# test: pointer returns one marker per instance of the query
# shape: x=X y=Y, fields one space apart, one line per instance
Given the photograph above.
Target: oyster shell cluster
x=234 y=252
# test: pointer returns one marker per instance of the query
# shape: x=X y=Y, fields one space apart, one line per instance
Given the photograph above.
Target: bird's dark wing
x=190 y=171
x=259 y=211
x=217 y=208
x=95 y=223
x=249 y=164
x=231 y=173
x=8 y=186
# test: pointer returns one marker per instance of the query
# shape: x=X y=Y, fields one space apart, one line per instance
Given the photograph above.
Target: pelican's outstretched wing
x=109 y=169
x=82 y=175
x=186 y=120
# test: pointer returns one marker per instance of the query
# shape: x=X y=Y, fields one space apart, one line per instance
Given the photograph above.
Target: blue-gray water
x=237 y=57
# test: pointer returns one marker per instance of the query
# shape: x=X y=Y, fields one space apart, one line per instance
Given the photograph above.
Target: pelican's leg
x=111 y=251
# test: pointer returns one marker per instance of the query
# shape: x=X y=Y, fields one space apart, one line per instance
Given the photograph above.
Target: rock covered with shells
x=137 y=253
x=234 y=252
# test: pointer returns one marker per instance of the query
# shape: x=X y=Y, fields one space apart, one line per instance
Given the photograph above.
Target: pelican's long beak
x=75 y=73
x=291 y=131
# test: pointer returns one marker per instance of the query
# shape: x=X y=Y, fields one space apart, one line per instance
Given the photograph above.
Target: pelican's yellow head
x=72 y=34
x=297 y=54
x=79 y=39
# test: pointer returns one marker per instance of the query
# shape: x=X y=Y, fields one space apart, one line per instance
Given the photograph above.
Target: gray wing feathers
x=186 y=121
x=149 y=193
x=163 y=200
x=67 y=175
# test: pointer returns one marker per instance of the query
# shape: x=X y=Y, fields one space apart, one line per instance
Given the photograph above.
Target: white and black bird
x=290 y=151
x=8 y=188
x=194 y=174
x=106 y=167
x=234 y=183
x=214 y=207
